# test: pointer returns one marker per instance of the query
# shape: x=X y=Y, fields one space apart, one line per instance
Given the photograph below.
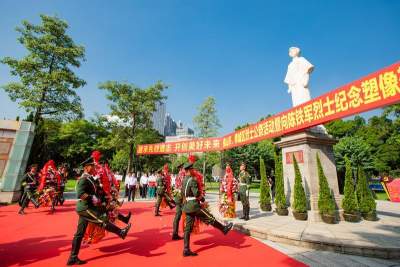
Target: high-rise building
x=159 y=117
x=169 y=126
x=181 y=130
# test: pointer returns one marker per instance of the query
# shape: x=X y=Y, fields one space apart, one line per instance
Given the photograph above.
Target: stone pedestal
x=16 y=139
x=305 y=146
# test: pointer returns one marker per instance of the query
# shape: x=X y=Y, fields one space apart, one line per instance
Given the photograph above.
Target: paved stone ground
x=317 y=258
x=360 y=237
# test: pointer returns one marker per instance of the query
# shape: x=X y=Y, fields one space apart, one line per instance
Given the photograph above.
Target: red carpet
x=43 y=239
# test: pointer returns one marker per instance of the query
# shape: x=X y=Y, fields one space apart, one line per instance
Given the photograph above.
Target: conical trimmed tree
x=265 y=190
x=365 y=199
x=300 y=200
x=349 y=202
x=280 y=198
x=326 y=203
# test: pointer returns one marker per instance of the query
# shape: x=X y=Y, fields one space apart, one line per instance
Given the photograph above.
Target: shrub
x=365 y=198
x=326 y=203
x=265 y=190
x=280 y=198
x=300 y=200
x=349 y=202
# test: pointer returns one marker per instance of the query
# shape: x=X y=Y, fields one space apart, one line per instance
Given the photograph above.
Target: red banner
x=376 y=90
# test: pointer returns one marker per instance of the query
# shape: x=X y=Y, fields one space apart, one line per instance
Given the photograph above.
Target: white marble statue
x=297 y=79
x=298 y=76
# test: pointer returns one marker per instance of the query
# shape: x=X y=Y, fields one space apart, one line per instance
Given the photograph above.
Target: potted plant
x=326 y=203
x=300 y=200
x=349 y=202
x=265 y=190
x=365 y=198
x=280 y=198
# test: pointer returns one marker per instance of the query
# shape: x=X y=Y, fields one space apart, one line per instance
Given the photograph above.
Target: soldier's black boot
x=119 y=232
x=75 y=261
x=21 y=211
x=247 y=217
x=34 y=201
x=124 y=219
x=244 y=213
x=171 y=204
x=223 y=228
x=73 y=258
x=186 y=246
x=176 y=237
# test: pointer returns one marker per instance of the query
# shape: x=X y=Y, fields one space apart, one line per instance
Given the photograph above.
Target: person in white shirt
x=131 y=182
x=144 y=180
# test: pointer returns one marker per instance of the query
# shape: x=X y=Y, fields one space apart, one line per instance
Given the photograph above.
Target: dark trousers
x=27 y=196
x=177 y=218
x=126 y=190
x=244 y=198
x=167 y=198
x=206 y=217
x=131 y=192
x=143 y=191
x=84 y=217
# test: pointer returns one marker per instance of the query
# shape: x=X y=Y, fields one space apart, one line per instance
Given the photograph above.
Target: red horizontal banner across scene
x=376 y=90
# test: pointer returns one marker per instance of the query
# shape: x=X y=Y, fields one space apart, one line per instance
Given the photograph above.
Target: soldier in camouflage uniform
x=178 y=201
x=89 y=210
x=161 y=193
x=244 y=187
x=29 y=183
x=193 y=209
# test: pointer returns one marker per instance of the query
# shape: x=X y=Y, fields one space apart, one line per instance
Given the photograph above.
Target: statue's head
x=294 y=51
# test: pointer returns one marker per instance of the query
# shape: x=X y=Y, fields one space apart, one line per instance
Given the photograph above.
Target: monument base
x=9 y=197
x=305 y=146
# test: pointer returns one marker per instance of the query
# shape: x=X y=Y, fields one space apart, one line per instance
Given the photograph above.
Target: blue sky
x=235 y=51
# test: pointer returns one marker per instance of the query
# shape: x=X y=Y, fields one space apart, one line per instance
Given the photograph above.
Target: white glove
x=96 y=177
x=95 y=200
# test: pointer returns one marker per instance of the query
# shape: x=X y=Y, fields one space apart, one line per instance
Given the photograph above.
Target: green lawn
x=381 y=196
x=70 y=186
x=214 y=187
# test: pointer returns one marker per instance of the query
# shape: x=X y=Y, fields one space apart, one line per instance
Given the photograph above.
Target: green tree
x=326 y=203
x=300 y=200
x=250 y=154
x=365 y=199
x=133 y=108
x=45 y=145
x=354 y=148
x=280 y=198
x=265 y=190
x=207 y=123
x=78 y=138
x=343 y=128
x=349 y=202
x=47 y=79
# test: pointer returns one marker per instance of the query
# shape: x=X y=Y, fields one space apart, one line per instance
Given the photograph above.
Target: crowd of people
x=140 y=185
x=98 y=205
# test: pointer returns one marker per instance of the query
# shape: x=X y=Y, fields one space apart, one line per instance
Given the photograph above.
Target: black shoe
x=75 y=261
x=21 y=212
x=176 y=237
x=125 y=231
x=246 y=218
x=157 y=214
x=125 y=219
x=34 y=201
x=188 y=253
x=243 y=217
x=227 y=228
